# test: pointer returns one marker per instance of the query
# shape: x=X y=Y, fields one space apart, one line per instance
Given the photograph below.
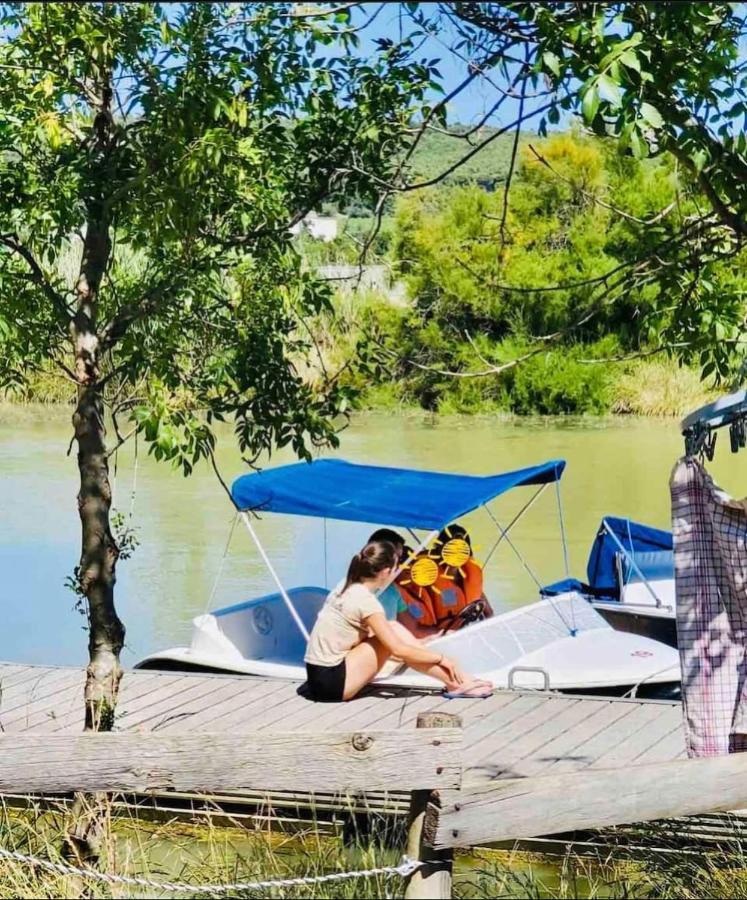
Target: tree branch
x=38 y=276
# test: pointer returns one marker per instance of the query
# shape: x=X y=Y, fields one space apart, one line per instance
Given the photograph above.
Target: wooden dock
x=513 y=734
x=518 y=765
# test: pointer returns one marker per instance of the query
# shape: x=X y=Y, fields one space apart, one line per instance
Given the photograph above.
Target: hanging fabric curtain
x=710 y=552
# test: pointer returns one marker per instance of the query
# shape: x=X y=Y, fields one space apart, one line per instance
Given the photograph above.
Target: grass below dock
x=660 y=865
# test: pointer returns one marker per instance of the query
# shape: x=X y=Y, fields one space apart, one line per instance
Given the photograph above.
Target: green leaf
x=609 y=90
x=699 y=158
x=590 y=102
x=551 y=62
x=630 y=60
x=638 y=144
x=651 y=115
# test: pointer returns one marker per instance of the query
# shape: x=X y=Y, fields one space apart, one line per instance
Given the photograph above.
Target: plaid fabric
x=710 y=556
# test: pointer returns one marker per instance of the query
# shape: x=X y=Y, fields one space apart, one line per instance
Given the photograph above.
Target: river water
x=615 y=466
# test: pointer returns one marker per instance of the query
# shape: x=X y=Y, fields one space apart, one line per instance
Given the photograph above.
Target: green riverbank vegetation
x=477 y=293
x=202 y=852
x=526 y=312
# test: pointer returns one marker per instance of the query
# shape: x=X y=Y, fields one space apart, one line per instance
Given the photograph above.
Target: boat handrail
x=535 y=669
x=616 y=604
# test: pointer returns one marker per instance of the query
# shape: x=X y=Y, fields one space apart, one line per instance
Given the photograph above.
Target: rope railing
x=405 y=868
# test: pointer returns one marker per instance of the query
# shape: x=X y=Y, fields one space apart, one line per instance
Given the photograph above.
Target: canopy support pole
x=562 y=531
x=284 y=594
x=504 y=534
x=633 y=563
x=513 y=522
x=572 y=627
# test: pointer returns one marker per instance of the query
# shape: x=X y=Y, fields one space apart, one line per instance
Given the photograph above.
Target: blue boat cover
x=335 y=489
x=636 y=539
x=563 y=587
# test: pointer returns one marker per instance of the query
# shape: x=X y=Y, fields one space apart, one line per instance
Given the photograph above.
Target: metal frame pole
x=633 y=563
x=519 y=514
x=288 y=602
x=511 y=544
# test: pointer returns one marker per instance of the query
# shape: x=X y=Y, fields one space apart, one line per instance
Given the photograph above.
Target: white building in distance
x=321 y=228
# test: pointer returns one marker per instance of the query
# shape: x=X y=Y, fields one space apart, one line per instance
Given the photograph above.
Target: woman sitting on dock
x=352 y=639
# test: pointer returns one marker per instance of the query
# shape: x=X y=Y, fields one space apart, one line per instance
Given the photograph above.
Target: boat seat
x=264 y=629
x=657 y=567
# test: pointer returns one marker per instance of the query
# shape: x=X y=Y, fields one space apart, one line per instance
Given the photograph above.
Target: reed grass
x=659 y=388
x=661 y=864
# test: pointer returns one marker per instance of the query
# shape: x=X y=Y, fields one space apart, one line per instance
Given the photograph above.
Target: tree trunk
x=96 y=573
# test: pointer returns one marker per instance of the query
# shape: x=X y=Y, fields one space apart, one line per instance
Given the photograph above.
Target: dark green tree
x=162 y=154
x=655 y=78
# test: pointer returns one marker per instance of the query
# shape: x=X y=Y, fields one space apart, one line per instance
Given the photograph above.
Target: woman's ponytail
x=372 y=559
x=354 y=571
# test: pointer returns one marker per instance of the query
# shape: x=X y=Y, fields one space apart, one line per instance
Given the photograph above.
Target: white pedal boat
x=557 y=643
x=525 y=648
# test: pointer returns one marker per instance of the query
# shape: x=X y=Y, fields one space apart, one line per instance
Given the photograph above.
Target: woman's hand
x=456 y=675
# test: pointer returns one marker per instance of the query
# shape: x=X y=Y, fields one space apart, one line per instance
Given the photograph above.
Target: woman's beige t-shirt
x=339 y=626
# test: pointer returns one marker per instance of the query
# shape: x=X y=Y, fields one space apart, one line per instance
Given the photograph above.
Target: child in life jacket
x=391 y=597
x=458 y=582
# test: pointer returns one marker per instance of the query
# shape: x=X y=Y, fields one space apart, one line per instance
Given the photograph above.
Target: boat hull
x=560 y=644
x=658 y=628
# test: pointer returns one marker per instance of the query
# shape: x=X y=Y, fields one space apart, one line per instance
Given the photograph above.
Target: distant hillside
x=437 y=152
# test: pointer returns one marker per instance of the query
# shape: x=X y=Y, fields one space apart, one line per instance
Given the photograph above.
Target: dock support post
x=432 y=880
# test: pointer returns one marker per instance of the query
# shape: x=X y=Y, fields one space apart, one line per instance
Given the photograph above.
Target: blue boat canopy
x=634 y=537
x=335 y=489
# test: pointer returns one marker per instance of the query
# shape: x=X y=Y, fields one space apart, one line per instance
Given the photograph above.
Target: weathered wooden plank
x=494 y=744
x=596 y=735
x=220 y=714
x=361 y=712
x=507 y=762
x=134 y=685
x=271 y=712
x=649 y=725
x=334 y=762
x=11 y=674
x=504 y=725
x=669 y=746
x=400 y=711
x=42 y=695
x=42 y=685
x=168 y=702
x=137 y=685
x=592 y=798
x=569 y=748
x=44 y=716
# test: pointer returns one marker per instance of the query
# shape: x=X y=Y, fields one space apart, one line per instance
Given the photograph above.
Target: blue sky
x=394 y=22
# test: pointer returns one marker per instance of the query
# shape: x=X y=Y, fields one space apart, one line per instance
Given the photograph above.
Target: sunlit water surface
x=615 y=466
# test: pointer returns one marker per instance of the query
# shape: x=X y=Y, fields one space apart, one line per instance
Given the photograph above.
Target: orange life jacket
x=445 y=599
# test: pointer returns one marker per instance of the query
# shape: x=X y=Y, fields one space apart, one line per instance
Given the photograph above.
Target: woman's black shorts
x=326 y=683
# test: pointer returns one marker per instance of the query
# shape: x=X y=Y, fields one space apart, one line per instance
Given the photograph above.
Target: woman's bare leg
x=366 y=660
x=361 y=665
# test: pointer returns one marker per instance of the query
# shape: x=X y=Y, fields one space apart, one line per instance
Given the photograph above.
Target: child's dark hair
x=386 y=534
x=455 y=530
x=372 y=559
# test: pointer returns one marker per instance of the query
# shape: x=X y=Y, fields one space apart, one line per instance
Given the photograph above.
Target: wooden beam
x=592 y=798
x=434 y=878
x=209 y=763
